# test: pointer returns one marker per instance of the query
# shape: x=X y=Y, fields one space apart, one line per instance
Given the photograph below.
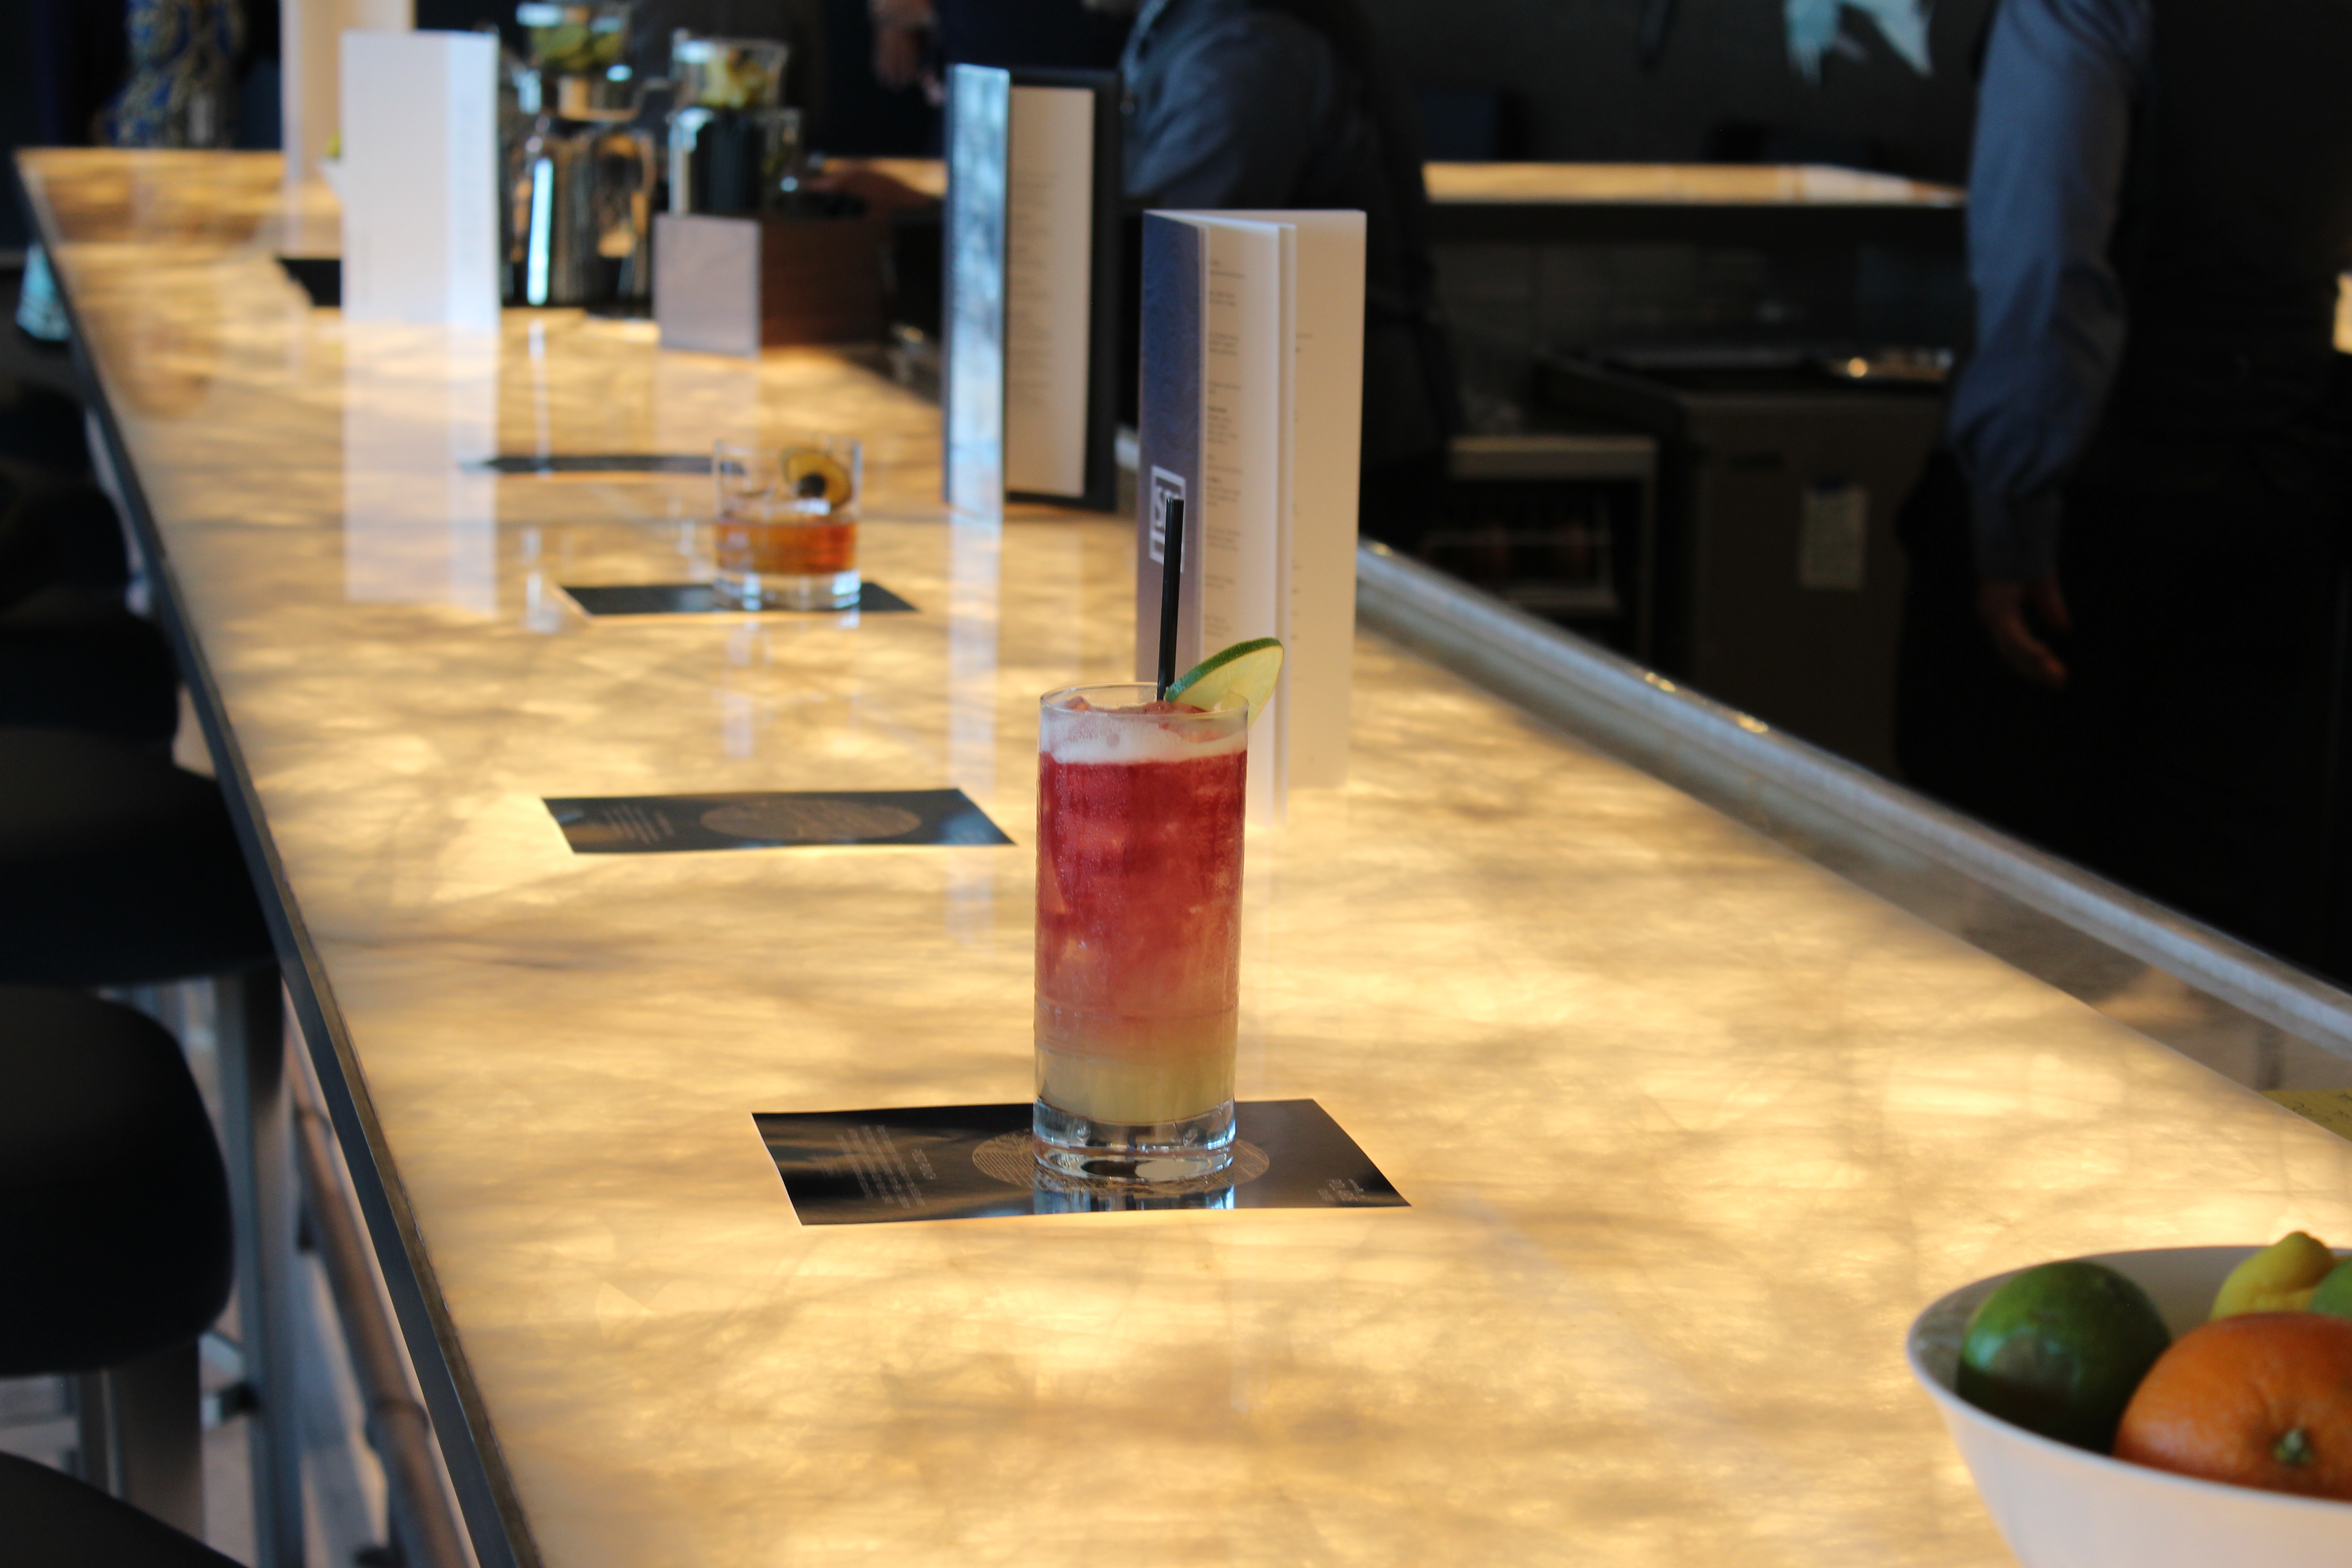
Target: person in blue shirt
x=2142 y=507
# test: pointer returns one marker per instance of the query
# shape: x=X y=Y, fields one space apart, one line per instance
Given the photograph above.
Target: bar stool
x=56 y=1521
x=78 y=660
x=114 y=1221
x=41 y=425
x=118 y=868
x=71 y=654
x=58 y=527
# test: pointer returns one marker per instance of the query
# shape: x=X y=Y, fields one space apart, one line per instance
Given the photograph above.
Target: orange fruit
x=2263 y=1399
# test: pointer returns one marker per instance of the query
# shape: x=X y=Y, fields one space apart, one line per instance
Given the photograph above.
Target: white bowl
x=2062 y=1507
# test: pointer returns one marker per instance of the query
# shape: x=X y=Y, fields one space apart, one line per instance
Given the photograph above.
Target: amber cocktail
x=1140 y=810
x=787 y=523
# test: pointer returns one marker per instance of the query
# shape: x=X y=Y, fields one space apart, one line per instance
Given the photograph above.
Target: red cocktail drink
x=1139 y=933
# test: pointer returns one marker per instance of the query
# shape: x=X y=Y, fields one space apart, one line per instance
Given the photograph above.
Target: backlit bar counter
x=1690 y=1123
x=1720 y=203
x=1667 y=184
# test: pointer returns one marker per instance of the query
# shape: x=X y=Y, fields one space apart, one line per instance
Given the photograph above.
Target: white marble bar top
x=1690 y=1127
x=1681 y=184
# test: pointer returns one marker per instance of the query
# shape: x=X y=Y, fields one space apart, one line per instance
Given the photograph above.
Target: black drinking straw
x=1171 y=584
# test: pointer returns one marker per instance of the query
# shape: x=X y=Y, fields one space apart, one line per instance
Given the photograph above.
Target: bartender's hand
x=2011 y=612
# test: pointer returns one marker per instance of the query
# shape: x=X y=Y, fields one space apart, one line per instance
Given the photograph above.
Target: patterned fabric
x=182 y=83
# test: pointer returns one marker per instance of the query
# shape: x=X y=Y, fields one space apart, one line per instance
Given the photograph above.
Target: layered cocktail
x=1140 y=809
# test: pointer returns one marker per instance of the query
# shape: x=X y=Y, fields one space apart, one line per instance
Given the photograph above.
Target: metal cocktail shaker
x=579 y=176
x=733 y=145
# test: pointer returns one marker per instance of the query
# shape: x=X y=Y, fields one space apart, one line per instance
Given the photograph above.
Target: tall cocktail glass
x=788 y=522
x=1139 y=933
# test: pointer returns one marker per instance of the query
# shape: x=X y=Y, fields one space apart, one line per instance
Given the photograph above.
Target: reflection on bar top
x=1695 y=184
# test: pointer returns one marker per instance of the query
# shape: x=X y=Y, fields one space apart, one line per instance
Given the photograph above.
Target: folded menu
x=420 y=210
x=1252 y=400
x=1033 y=282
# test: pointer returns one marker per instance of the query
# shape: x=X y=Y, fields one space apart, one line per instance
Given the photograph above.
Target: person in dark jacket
x=1290 y=103
x=2124 y=631
x=1055 y=35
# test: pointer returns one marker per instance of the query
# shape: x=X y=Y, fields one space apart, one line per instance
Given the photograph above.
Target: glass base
x=1141 y=1152
x=1058 y=1195
x=785 y=591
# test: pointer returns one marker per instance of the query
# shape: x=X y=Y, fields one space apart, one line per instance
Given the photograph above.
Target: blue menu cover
x=980 y=107
x=1170 y=463
x=1001 y=184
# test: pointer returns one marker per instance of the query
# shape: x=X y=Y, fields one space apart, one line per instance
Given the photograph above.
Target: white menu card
x=1032 y=275
x=420 y=177
x=1253 y=392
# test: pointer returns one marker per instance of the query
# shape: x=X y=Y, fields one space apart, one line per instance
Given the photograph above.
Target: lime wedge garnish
x=1244 y=672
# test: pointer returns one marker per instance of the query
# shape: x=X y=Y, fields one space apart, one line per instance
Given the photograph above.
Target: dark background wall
x=19 y=125
x=1723 y=89
x=1724 y=86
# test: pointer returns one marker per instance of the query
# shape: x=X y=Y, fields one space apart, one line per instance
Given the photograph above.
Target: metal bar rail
x=1804 y=797
x=422 y=1513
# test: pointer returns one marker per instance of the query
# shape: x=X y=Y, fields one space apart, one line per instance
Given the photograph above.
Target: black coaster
x=670 y=824
x=702 y=599
x=321 y=278
x=597 y=463
x=975 y=1162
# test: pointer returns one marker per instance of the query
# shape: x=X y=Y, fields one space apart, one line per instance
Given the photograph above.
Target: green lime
x=2058 y=1350
x=2334 y=1296
x=1244 y=672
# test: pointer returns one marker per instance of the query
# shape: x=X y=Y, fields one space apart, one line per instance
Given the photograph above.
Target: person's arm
x=2046 y=186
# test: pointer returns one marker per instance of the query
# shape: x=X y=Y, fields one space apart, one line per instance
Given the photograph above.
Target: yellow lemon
x=2279 y=1278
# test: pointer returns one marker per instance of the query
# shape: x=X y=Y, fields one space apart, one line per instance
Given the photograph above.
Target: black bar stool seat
x=52 y=1521
x=117 y=867
x=71 y=653
x=78 y=660
x=56 y=527
x=40 y=424
x=114 y=1219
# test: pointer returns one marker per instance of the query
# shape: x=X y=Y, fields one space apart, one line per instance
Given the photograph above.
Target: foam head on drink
x=1138 y=907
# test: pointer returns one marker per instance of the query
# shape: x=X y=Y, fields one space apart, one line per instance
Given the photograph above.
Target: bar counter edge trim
x=1598 y=695
x=494 y=1515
